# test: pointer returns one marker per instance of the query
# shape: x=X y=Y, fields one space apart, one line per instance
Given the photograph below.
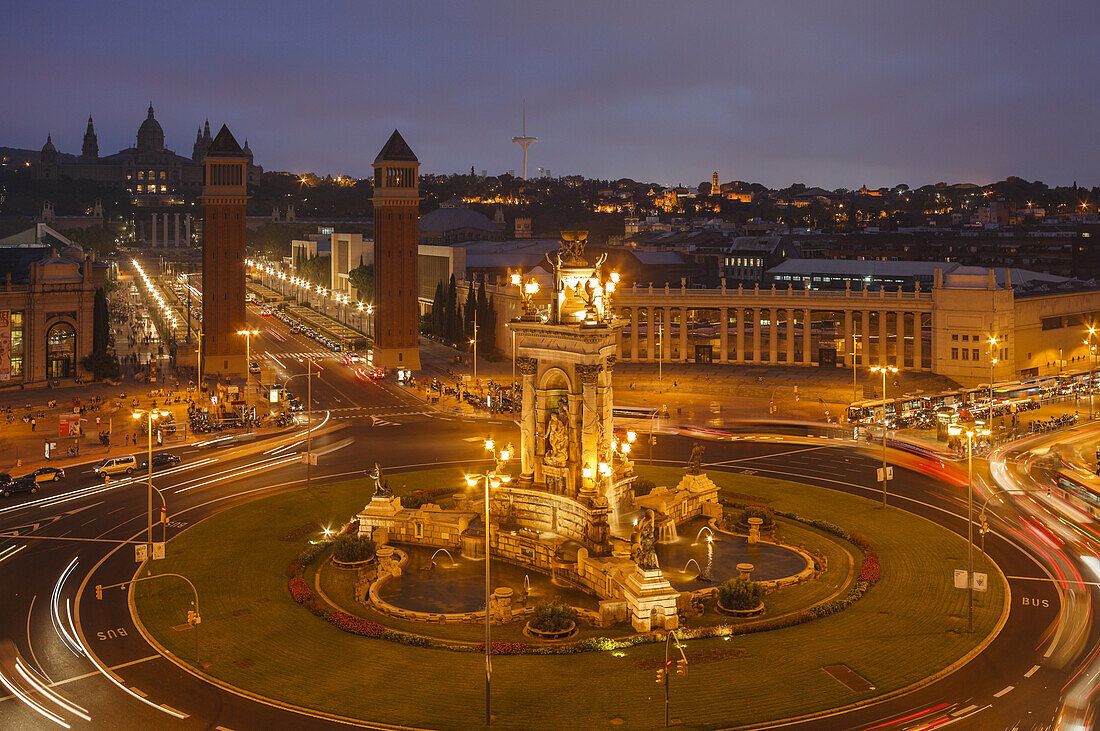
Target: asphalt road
x=59 y=630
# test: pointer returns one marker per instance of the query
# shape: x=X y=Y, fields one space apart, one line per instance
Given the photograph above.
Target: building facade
x=224 y=196
x=46 y=313
x=148 y=169
x=396 y=217
x=947 y=330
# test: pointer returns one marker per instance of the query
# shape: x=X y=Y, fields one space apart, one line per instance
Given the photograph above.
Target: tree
x=468 y=314
x=452 y=313
x=438 y=311
x=101 y=326
x=362 y=278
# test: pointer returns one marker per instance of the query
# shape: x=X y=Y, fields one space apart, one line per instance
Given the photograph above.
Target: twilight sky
x=836 y=94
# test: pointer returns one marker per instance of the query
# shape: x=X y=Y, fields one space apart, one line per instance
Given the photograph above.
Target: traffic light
x=164 y=515
x=98 y=591
x=681 y=667
x=660 y=675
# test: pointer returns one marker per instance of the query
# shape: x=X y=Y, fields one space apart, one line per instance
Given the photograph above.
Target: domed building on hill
x=148 y=169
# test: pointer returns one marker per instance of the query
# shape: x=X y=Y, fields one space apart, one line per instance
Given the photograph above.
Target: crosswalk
x=313 y=354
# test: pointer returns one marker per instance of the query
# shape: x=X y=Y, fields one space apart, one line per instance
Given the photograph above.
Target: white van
x=117 y=465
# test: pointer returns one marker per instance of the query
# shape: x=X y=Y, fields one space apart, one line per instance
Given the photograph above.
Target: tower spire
x=523 y=140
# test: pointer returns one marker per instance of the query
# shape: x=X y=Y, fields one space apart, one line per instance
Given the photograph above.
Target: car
x=5 y=479
x=116 y=466
x=253 y=367
x=162 y=459
x=378 y=374
x=47 y=474
x=265 y=312
x=295 y=329
x=23 y=484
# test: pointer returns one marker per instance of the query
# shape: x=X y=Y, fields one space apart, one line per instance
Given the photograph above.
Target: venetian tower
x=396 y=234
x=715 y=186
x=570 y=481
x=224 y=195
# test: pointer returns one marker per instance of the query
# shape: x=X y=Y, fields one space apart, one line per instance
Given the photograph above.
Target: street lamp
x=884 y=369
x=309 y=413
x=1092 y=364
x=492 y=478
x=956 y=430
x=992 y=363
x=151 y=416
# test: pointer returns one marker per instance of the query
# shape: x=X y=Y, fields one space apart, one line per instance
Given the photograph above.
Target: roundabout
x=426 y=673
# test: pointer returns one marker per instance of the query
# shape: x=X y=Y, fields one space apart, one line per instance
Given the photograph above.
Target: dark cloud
x=834 y=94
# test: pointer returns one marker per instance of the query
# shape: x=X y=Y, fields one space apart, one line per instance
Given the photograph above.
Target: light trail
x=66 y=633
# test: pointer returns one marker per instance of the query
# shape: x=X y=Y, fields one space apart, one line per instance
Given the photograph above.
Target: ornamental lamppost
x=992 y=364
x=1092 y=365
x=492 y=478
x=956 y=430
x=884 y=369
x=151 y=415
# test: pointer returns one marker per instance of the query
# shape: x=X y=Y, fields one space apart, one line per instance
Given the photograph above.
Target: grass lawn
x=254 y=636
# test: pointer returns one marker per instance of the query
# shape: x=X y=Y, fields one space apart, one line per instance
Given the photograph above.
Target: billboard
x=5 y=345
x=69 y=425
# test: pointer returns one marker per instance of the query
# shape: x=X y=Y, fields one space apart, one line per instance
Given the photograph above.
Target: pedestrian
x=34 y=424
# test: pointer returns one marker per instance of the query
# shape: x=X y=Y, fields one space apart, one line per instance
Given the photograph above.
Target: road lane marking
x=75 y=678
x=964 y=711
x=1005 y=691
x=173 y=711
x=1031 y=672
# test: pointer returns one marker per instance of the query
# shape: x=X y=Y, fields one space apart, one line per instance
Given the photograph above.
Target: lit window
x=141 y=175
x=141 y=189
x=164 y=189
x=162 y=175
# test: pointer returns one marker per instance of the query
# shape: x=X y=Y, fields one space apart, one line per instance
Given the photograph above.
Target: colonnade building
x=967 y=318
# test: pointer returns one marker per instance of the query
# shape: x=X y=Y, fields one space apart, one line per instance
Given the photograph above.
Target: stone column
x=528 y=427
x=865 y=316
x=153 y=231
x=683 y=334
x=187 y=229
x=590 y=419
x=756 y=335
x=739 y=312
x=882 y=352
x=850 y=352
x=667 y=337
x=773 y=337
x=650 y=334
x=807 y=333
x=900 y=340
x=634 y=333
x=165 y=229
x=918 y=342
x=790 y=335
x=176 y=217
x=723 y=335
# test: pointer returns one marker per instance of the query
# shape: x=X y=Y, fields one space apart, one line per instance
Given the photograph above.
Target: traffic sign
x=981 y=581
x=889 y=473
x=960 y=578
x=158 y=551
x=141 y=552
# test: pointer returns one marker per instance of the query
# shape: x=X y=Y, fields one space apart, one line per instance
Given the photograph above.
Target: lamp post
x=992 y=364
x=309 y=414
x=151 y=415
x=884 y=369
x=855 y=388
x=1092 y=365
x=956 y=430
x=492 y=478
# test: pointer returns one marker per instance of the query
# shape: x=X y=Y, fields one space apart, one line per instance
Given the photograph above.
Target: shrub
x=741 y=594
x=756 y=511
x=420 y=498
x=552 y=616
x=643 y=486
x=348 y=548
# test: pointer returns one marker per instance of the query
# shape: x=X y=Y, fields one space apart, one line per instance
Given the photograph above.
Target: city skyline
x=835 y=98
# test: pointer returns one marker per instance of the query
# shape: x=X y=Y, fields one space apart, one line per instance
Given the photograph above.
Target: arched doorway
x=60 y=350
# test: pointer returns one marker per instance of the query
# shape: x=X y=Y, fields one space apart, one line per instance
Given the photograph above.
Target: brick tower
x=396 y=230
x=224 y=195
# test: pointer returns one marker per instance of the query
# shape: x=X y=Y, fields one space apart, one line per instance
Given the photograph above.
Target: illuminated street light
x=956 y=430
x=492 y=478
x=884 y=369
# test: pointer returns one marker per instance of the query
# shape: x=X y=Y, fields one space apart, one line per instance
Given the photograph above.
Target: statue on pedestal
x=643 y=540
x=695 y=461
x=381 y=487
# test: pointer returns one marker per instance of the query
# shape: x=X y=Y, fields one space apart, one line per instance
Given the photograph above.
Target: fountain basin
x=718 y=558
x=460 y=588
x=753 y=612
